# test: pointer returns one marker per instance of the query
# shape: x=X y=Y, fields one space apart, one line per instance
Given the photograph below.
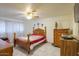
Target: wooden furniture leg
x=28 y=44
x=14 y=39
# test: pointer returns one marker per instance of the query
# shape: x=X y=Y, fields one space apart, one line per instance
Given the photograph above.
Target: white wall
x=63 y=22
x=75 y=28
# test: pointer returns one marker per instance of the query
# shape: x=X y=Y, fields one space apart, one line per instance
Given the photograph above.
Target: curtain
x=2 y=28
x=10 y=27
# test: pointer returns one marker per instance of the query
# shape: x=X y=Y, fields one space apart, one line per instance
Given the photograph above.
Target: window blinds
x=11 y=26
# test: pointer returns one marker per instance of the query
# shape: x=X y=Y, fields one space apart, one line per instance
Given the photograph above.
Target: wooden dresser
x=69 y=47
x=57 y=36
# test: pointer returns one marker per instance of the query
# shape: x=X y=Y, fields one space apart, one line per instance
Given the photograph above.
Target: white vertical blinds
x=11 y=26
x=2 y=27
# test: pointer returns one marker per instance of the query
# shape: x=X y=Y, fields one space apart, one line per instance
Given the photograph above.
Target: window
x=10 y=27
x=2 y=26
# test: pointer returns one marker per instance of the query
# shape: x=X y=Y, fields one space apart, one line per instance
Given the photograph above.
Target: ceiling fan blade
x=34 y=10
x=35 y=17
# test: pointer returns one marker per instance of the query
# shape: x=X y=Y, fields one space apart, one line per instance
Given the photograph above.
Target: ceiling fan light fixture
x=29 y=17
x=31 y=13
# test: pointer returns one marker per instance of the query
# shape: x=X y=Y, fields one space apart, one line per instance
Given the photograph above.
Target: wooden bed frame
x=27 y=44
x=6 y=51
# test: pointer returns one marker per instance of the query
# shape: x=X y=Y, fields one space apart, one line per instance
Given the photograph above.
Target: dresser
x=57 y=36
x=69 y=47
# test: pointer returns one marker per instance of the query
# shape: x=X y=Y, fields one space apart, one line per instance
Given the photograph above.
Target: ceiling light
x=29 y=17
x=31 y=13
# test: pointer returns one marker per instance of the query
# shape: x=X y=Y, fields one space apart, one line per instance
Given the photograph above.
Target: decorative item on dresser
x=57 y=36
x=38 y=36
x=56 y=25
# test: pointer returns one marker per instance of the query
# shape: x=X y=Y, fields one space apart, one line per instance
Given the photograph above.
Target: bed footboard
x=24 y=44
x=28 y=43
x=14 y=39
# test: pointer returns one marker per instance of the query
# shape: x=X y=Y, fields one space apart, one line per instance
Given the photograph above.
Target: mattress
x=4 y=44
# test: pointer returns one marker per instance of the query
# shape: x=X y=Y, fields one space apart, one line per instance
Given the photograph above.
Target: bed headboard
x=39 y=29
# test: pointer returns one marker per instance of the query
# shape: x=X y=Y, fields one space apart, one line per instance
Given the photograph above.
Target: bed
x=6 y=49
x=38 y=36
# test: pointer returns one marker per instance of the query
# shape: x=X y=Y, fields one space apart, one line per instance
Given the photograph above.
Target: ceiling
x=17 y=10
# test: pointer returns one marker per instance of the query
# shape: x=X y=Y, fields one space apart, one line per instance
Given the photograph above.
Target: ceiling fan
x=32 y=14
